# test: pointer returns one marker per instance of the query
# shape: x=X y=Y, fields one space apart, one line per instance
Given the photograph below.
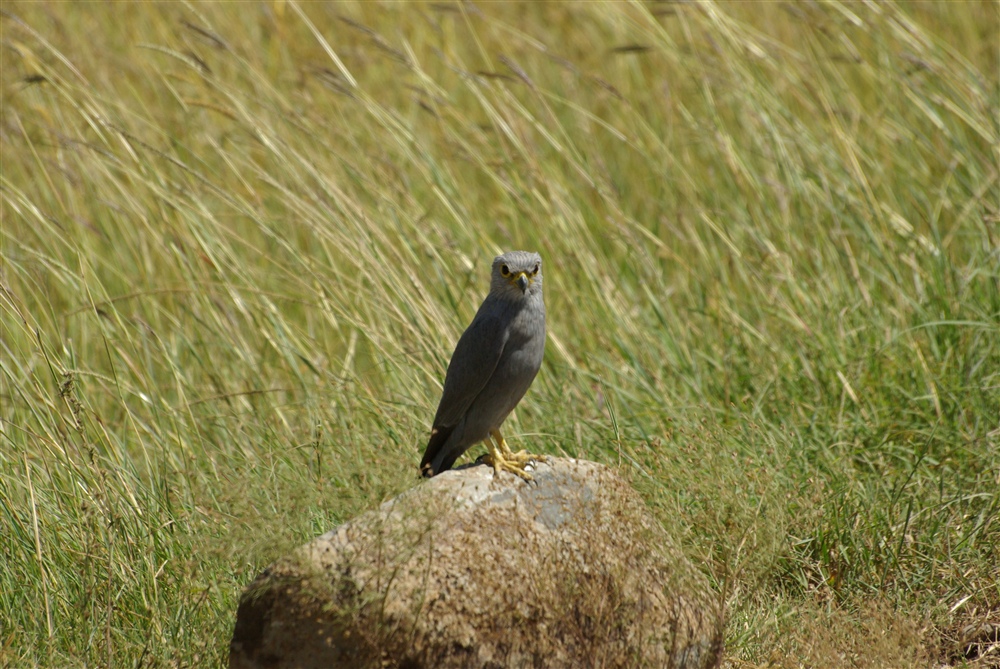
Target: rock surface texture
x=468 y=570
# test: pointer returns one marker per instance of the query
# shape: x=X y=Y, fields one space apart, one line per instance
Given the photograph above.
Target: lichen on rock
x=472 y=570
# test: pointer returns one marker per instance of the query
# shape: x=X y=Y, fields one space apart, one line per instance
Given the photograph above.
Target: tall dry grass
x=239 y=241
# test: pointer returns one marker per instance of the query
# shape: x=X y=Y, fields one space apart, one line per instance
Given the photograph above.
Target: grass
x=239 y=241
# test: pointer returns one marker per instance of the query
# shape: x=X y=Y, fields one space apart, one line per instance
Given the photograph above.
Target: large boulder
x=469 y=569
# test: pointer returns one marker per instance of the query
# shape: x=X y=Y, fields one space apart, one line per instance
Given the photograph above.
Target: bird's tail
x=435 y=459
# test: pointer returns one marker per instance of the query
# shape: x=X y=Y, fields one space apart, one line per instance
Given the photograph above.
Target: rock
x=468 y=570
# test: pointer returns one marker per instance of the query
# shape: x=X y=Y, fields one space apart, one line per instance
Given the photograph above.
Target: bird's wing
x=472 y=364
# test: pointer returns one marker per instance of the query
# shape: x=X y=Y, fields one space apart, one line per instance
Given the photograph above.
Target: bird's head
x=516 y=274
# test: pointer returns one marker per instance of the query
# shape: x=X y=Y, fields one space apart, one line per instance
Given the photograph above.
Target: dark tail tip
x=439 y=437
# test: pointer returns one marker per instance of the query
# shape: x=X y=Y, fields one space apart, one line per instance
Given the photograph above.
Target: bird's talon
x=502 y=464
x=524 y=457
x=518 y=466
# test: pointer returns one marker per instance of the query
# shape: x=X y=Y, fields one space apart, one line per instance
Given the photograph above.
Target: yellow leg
x=501 y=458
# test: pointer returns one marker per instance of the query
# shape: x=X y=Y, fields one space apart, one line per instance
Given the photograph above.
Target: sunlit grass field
x=239 y=241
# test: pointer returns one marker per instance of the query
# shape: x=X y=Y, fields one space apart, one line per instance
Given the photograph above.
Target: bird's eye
x=535 y=271
x=504 y=270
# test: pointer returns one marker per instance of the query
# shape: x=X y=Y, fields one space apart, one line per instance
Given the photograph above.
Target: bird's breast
x=526 y=335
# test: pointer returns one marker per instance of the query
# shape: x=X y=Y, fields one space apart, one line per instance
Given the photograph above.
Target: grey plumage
x=494 y=363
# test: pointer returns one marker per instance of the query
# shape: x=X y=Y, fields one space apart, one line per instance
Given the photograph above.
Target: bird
x=495 y=361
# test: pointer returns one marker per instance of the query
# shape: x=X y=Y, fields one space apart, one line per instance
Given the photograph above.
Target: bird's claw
x=516 y=467
x=501 y=458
